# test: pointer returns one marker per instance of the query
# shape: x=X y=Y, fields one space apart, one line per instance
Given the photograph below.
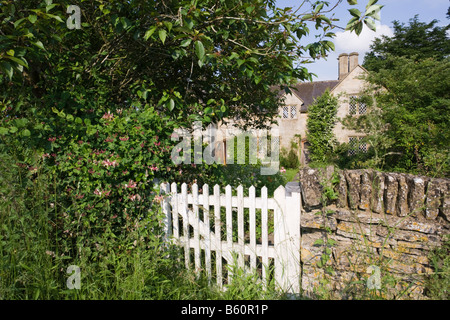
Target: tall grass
x=35 y=253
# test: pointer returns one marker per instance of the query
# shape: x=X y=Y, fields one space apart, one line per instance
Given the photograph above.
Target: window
x=293 y=112
x=289 y=112
x=356 y=145
x=285 y=112
x=356 y=106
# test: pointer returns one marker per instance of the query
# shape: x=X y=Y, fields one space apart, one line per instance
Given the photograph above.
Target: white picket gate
x=194 y=221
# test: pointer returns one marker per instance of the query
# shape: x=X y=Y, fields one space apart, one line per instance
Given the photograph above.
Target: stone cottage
x=291 y=123
x=349 y=85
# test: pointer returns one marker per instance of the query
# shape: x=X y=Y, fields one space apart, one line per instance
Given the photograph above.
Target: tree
x=97 y=105
x=418 y=40
x=320 y=124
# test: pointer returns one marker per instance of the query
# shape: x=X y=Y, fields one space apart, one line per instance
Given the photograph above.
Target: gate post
x=287 y=239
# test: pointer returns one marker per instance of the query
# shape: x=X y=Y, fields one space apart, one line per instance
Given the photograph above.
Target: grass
x=290 y=174
x=35 y=255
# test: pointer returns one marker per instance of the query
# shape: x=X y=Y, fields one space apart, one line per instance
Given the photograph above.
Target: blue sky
x=401 y=10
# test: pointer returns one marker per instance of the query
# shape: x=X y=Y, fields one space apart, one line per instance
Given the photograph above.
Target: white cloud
x=346 y=42
x=349 y=42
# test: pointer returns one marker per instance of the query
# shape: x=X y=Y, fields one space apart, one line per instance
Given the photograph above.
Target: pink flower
x=108 y=116
x=108 y=163
x=135 y=197
x=52 y=139
x=131 y=184
x=282 y=170
x=125 y=138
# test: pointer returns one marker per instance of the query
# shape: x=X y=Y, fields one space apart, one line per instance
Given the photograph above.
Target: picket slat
x=252 y=217
x=229 y=222
x=218 y=234
x=264 y=235
x=176 y=227
x=196 y=227
x=184 y=204
x=207 y=237
x=240 y=210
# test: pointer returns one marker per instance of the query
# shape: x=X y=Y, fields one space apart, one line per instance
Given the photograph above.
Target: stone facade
x=350 y=83
x=388 y=221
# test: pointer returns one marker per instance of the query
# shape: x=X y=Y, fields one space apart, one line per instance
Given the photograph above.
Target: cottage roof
x=308 y=91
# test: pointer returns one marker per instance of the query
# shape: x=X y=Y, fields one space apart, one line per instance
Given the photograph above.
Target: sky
x=401 y=10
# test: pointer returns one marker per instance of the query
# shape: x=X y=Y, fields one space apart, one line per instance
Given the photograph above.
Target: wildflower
x=108 y=116
x=282 y=170
x=135 y=197
x=52 y=139
x=50 y=253
x=32 y=169
x=131 y=184
x=108 y=163
x=125 y=138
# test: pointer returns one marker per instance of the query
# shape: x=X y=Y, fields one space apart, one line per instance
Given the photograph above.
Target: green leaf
x=318 y=242
x=26 y=133
x=149 y=33
x=171 y=104
x=371 y=3
x=355 y=12
x=319 y=7
x=7 y=67
x=199 y=50
x=168 y=25
x=352 y=2
x=162 y=35
x=186 y=42
x=39 y=44
x=374 y=11
x=370 y=23
x=3 y=131
x=13 y=129
x=359 y=28
x=55 y=17
x=32 y=18
x=250 y=9
x=21 y=62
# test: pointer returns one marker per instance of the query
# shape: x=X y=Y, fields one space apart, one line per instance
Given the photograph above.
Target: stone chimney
x=347 y=62
x=343 y=65
x=353 y=61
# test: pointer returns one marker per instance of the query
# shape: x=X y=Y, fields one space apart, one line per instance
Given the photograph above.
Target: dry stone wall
x=389 y=221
